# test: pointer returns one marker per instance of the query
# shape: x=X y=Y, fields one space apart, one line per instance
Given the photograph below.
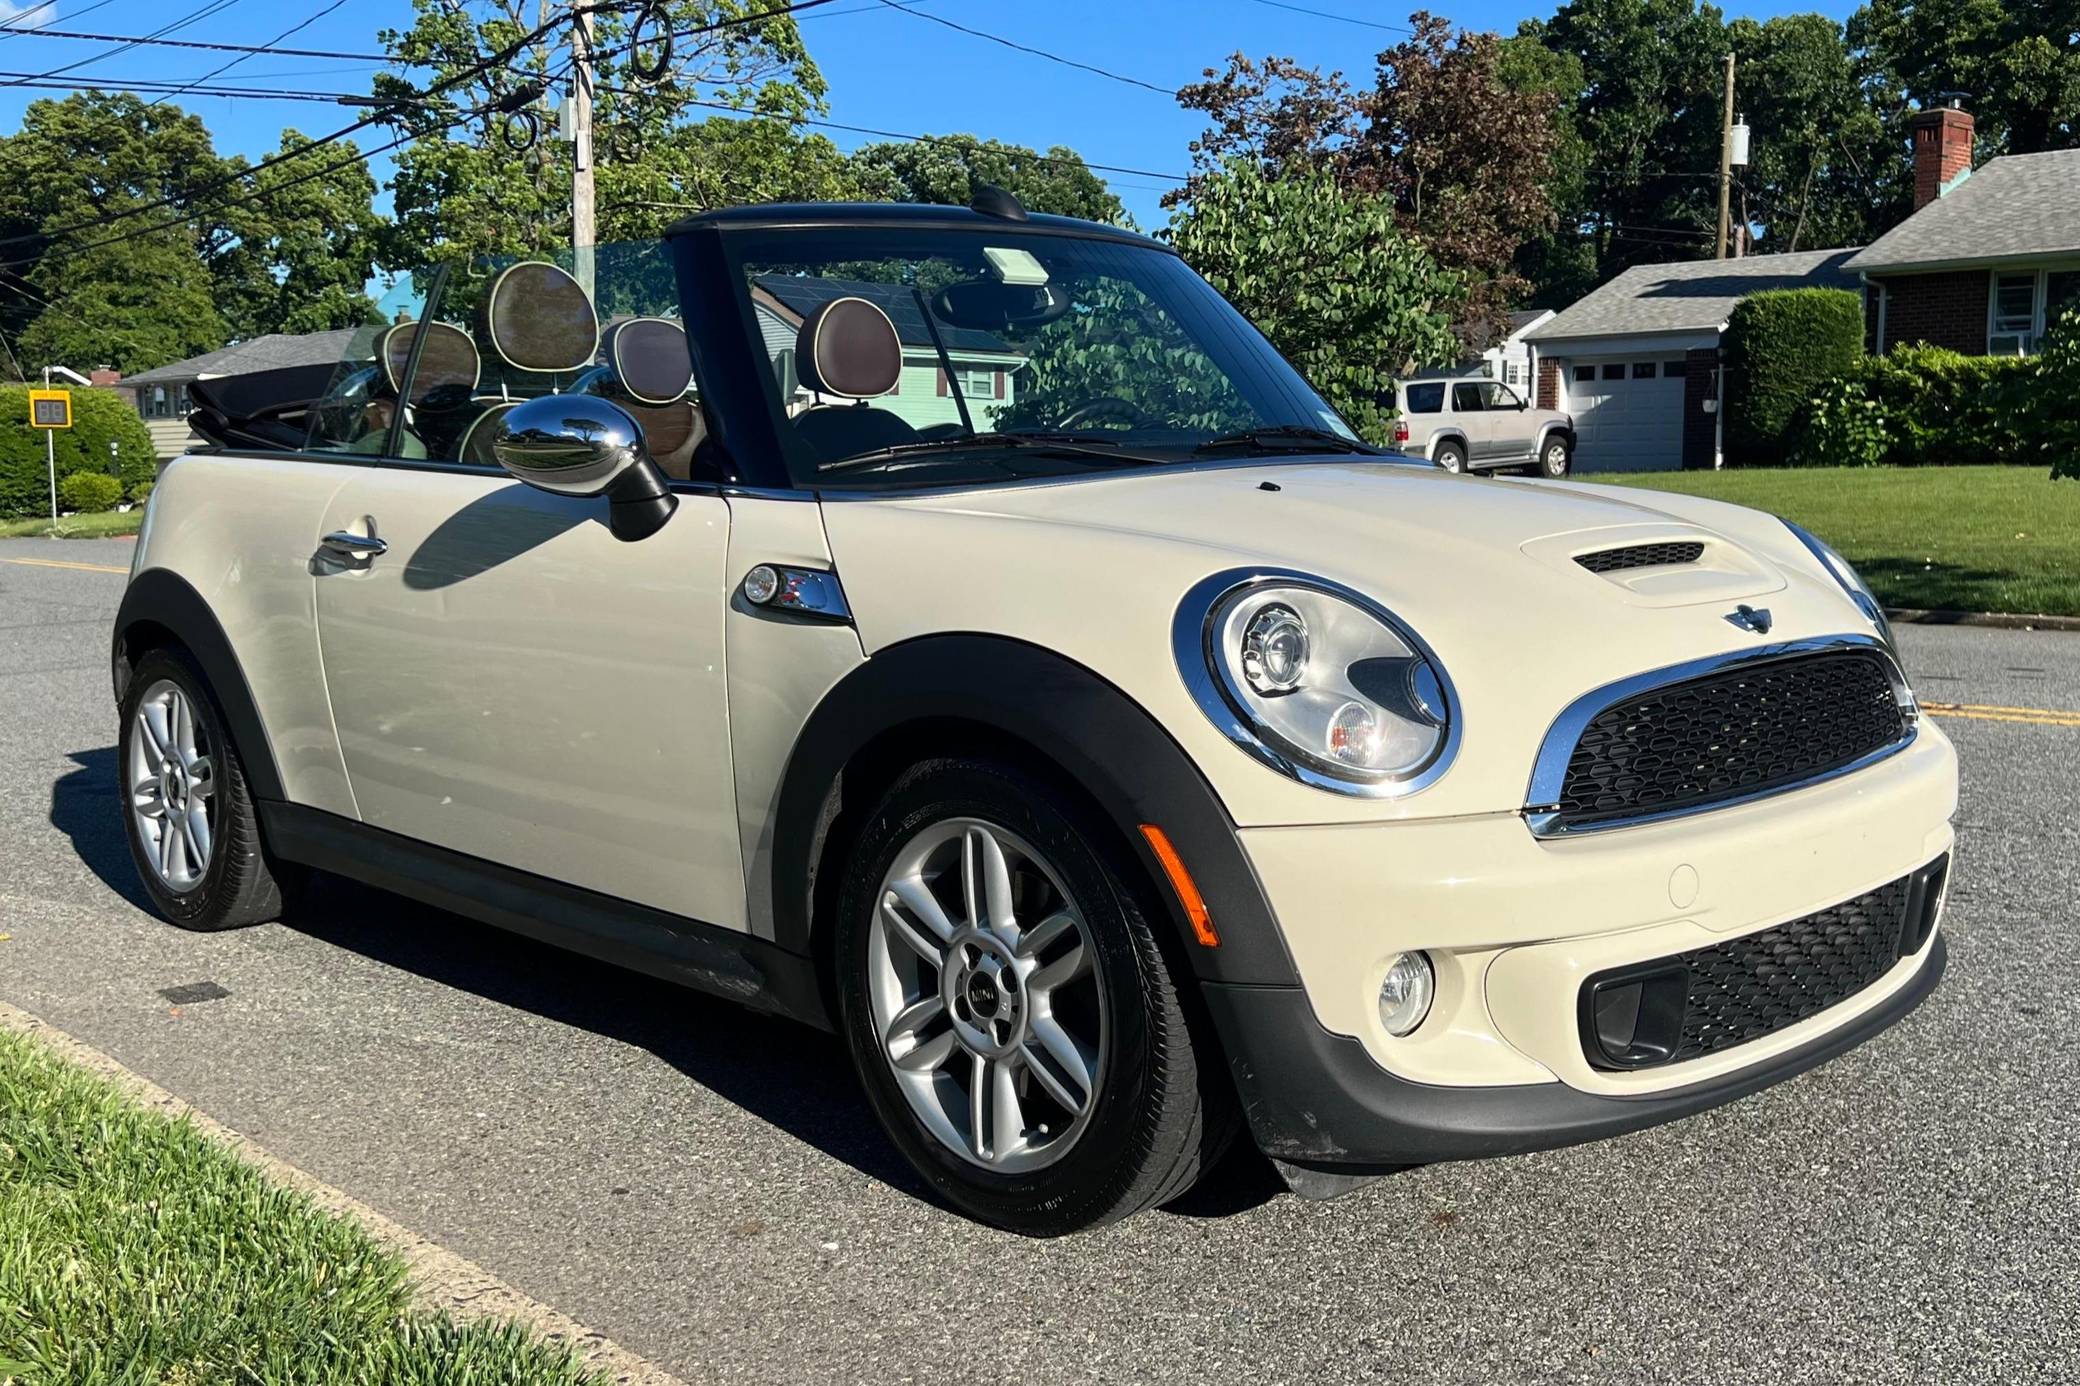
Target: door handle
x=348 y=544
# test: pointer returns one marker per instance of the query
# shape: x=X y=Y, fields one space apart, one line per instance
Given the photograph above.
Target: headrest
x=649 y=358
x=474 y=446
x=538 y=318
x=448 y=359
x=849 y=347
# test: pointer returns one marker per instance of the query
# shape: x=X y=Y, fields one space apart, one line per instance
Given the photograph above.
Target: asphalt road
x=709 y=1189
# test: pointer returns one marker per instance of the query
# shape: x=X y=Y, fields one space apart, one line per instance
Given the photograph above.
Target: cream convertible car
x=961 y=629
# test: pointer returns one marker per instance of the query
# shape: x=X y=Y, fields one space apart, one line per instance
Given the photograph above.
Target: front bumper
x=1515 y=925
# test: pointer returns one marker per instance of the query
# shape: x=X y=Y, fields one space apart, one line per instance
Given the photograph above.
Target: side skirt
x=707 y=957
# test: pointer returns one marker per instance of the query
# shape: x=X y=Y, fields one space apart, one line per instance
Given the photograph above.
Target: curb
x=1997 y=620
x=441 y=1279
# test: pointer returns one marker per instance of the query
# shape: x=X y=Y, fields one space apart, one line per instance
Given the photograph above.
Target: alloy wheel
x=985 y=996
x=171 y=779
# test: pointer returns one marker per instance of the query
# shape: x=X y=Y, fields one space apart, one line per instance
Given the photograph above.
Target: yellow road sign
x=50 y=409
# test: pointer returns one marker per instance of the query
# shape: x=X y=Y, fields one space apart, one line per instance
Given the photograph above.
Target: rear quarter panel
x=241 y=531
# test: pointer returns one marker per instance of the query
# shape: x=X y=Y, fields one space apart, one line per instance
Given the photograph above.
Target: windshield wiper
x=1058 y=444
x=1285 y=438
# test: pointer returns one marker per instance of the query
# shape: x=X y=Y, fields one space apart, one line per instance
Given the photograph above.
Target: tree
x=463 y=192
x=282 y=251
x=2019 y=61
x=1329 y=276
x=1463 y=153
x=945 y=171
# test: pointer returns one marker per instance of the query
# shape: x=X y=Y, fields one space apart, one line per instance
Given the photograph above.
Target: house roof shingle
x=2018 y=207
x=1690 y=295
x=271 y=352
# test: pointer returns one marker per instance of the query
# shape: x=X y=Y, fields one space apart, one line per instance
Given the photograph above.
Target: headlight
x=1859 y=592
x=1317 y=681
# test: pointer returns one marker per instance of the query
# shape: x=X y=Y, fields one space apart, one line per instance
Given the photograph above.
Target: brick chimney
x=1942 y=149
x=103 y=375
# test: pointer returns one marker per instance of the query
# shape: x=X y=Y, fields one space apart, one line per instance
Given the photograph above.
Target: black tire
x=1163 y=1111
x=1449 y=456
x=240 y=885
x=1555 y=459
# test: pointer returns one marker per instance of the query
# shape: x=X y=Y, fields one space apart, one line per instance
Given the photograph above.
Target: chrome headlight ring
x=1850 y=581
x=1237 y=649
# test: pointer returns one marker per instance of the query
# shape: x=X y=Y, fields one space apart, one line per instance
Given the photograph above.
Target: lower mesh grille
x=1703 y=1002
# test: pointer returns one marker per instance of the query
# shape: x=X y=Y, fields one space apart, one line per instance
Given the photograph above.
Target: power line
x=20 y=22
x=145 y=86
x=249 y=48
x=1339 y=18
x=215 y=7
x=246 y=48
x=1036 y=52
x=30 y=289
x=299 y=26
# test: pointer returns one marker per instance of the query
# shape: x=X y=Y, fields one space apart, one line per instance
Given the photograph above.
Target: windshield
x=939 y=356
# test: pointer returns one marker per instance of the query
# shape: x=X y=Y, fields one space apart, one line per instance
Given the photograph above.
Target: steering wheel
x=1108 y=409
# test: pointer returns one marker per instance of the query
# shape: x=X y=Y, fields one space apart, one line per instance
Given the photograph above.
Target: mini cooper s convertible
x=961 y=629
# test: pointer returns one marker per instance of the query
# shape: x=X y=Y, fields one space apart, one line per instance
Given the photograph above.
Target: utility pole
x=50 y=457
x=1725 y=162
x=584 y=234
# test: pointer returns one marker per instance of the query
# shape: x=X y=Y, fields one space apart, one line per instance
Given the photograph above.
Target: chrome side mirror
x=582 y=445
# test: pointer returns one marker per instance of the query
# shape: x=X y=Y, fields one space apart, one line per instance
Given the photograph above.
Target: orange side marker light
x=1181 y=881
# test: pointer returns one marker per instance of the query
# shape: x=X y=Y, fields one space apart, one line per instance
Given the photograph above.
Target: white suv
x=1480 y=425
x=964 y=631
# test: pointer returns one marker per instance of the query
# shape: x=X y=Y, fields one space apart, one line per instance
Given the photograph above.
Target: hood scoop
x=1659 y=564
x=1641 y=556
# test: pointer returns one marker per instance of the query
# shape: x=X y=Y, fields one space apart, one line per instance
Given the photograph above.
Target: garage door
x=1628 y=414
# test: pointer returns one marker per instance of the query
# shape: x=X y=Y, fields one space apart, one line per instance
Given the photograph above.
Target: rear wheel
x=188 y=814
x=1449 y=456
x=1009 y=1009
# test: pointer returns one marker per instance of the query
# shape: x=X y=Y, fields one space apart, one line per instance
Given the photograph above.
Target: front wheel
x=1009 y=1009
x=1554 y=460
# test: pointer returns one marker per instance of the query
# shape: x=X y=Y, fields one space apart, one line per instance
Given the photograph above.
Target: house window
x=2016 y=319
x=977 y=382
x=1675 y=370
x=1584 y=374
x=1513 y=374
x=1614 y=371
x=1642 y=370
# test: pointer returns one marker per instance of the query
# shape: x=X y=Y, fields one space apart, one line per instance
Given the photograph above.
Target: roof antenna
x=993 y=201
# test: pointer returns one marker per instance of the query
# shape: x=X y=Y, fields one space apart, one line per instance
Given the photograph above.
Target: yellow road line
x=1977 y=712
x=61 y=563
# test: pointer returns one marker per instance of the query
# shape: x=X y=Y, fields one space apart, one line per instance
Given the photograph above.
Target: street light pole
x=50 y=456
x=1725 y=162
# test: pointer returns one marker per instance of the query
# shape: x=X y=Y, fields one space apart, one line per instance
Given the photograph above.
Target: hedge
x=1780 y=347
x=99 y=417
x=1923 y=406
x=89 y=493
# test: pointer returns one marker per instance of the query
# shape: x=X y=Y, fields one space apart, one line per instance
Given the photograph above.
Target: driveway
x=709 y=1189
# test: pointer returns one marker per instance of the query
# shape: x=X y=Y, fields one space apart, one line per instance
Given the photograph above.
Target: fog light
x=761 y=585
x=1405 y=996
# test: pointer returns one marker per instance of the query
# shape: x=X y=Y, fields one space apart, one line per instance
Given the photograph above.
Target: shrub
x=89 y=493
x=2054 y=389
x=1920 y=406
x=1781 y=346
x=99 y=417
x=141 y=492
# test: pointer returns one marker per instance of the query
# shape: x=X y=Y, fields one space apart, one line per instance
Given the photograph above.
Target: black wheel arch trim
x=160 y=598
x=1092 y=732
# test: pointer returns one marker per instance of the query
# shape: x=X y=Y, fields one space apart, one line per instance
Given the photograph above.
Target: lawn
x=135 y=1249
x=1937 y=538
x=103 y=526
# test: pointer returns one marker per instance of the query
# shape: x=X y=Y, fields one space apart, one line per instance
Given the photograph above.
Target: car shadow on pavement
x=790 y=1075
x=86 y=807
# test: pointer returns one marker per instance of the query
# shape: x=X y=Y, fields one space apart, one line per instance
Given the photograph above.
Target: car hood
x=1485 y=570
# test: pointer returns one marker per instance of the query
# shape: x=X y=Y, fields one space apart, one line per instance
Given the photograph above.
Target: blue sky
x=886 y=69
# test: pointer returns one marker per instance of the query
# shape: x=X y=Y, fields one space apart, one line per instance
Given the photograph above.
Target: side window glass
x=355 y=410
x=1466 y=399
x=1425 y=399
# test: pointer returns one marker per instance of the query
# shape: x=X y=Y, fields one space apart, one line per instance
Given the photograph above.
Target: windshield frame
x=750 y=420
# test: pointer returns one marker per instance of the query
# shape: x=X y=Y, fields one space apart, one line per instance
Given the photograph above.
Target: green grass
x=103 y=526
x=1937 y=538
x=134 y=1249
